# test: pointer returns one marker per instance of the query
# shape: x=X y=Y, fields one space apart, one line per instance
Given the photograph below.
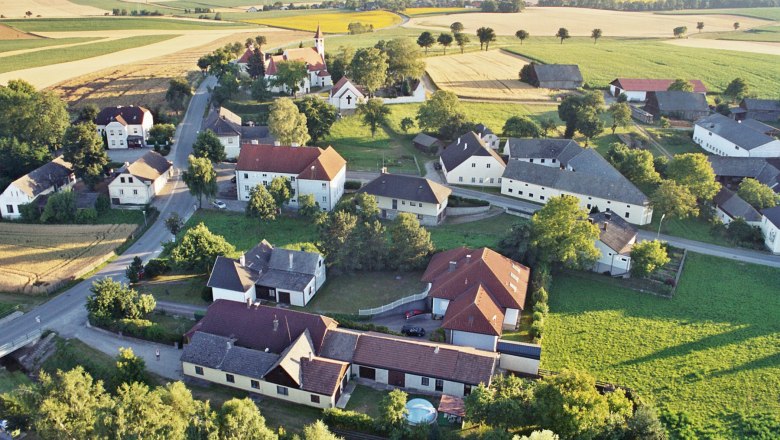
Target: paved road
x=65 y=313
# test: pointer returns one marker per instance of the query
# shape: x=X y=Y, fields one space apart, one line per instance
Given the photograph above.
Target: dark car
x=413 y=313
x=437 y=165
x=410 y=330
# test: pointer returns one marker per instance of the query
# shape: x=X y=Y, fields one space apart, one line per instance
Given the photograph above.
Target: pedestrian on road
x=157 y=353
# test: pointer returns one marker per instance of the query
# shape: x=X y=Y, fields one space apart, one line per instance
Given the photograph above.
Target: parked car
x=437 y=165
x=410 y=330
x=219 y=204
x=413 y=313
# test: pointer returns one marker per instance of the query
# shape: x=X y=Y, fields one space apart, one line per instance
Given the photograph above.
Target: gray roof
x=228 y=274
x=221 y=126
x=760 y=126
x=771 y=105
x=296 y=261
x=560 y=149
x=206 y=350
x=614 y=231
x=773 y=215
x=678 y=101
x=425 y=140
x=482 y=129
x=592 y=176
x=248 y=362
x=733 y=205
x=766 y=171
x=463 y=148
x=52 y=174
x=558 y=72
x=408 y=188
x=219 y=352
x=259 y=134
x=739 y=133
x=339 y=344
x=282 y=279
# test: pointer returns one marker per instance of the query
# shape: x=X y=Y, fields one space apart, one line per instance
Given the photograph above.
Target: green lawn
x=114 y=23
x=61 y=55
x=180 y=288
x=72 y=353
x=366 y=400
x=485 y=233
x=766 y=33
x=646 y=58
x=690 y=228
x=713 y=351
x=9 y=380
x=675 y=141
x=764 y=13
x=175 y=325
x=346 y=294
x=119 y=216
x=9 y=45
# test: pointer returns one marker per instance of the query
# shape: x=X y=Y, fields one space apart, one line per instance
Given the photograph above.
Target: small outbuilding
x=453 y=408
x=761 y=109
x=427 y=144
x=689 y=106
x=555 y=76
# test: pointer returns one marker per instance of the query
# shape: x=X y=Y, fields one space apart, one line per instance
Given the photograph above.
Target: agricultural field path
x=764 y=47
x=65 y=313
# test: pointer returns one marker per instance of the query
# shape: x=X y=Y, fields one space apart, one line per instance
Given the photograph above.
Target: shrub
x=103 y=203
x=365 y=326
x=30 y=213
x=156 y=267
x=465 y=202
x=349 y=420
x=438 y=335
x=352 y=185
x=542 y=308
x=540 y=295
x=86 y=216
x=538 y=316
x=537 y=328
x=541 y=277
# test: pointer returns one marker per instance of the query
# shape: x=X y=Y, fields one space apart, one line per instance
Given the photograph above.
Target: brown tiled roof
x=308 y=55
x=321 y=376
x=474 y=311
x=452 y=405
x=654 y=85
x=614 y=231
x=291 y=160
x=485 y=266
x=246 y=55
x=448 y=362
x=253 y=327
x=150 y=166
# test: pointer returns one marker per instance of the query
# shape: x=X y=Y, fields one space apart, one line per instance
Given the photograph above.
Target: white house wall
x=476 y=171
x=414 y=381
x=475 y=340
x=510 y=318
x=633 y=96
x=10 y=200
x=326 y=193
x=518 y=364
x=440 y=306
x=609 y=260
x=232 y=145
x=636 y=214
x=232 y=295
x=771 y=235
x=427 y=213
x=716 y=144
x=136 y=192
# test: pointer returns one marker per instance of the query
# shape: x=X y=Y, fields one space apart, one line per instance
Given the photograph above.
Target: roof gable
x=150 y=166
x=464 y=147
x=228 y=274
x=474 y=311
x=408 y=188
x=291 y=160
x=52 y=174
x=558 y=72
x=614 y=231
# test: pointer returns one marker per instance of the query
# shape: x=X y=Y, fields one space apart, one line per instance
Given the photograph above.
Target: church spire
x=318 y=34
x=319 y=42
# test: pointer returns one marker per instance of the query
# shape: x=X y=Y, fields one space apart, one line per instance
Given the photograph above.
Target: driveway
x=396 y=321
x=128 y=155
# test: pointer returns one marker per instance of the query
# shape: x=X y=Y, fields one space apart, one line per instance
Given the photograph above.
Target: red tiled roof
x=321 y=376
x=491 y=269
x=291 y=160
x=245 y=57
x=452 y=405
x=474 y=311
x=654 y=85
x=325 y=167
x=308 y=55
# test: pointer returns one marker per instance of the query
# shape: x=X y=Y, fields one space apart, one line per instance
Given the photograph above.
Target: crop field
x=145 y=82
x=54 y=56
x=765 y=33
x=611 y=58
x=468 y=76
x=46 y=8
x=115 y=24
x=331 y=22
x=8 y=33
x=539 y=21
x=761 y=13
x=37 y=258
x=417 y=12
x=712 y=352
x=13 y=45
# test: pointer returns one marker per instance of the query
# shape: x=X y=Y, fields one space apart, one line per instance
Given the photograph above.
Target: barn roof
x=653 y=85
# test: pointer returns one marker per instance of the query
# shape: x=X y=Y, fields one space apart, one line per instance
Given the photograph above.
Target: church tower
x=319 y=42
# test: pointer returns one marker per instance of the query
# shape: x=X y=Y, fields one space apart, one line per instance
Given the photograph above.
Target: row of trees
x=658 y=5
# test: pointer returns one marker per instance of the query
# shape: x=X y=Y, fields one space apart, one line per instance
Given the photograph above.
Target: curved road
x=65 y=313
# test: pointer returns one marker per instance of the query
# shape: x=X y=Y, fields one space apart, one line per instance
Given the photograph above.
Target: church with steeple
x=312 y=57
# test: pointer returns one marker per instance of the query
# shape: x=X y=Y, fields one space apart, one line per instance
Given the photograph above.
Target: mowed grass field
x=712 y=352
x=61 y=55
x=331 y=22
x=765 y=33
x=639 y=58
x=114 y=24
x=44 y=255
x=10 y=45
x=762 y=13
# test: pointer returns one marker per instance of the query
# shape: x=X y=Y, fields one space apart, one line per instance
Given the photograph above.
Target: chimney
x=383 y=171
x=276 y=324
x=229 y=345
x=311 y=356
x=248 y=303
x=242 y=260
x=468 y=258
x=267 y=349
x=291 y=260
x=605 y=225
x=453 y=266
x=436 y=350
x=458 y=140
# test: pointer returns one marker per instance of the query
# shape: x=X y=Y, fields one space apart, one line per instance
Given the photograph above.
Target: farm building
x=227 y=126
x=345 y=95
x=689 y=106
x=478 y=293
x=54 y=176
x=268 y=273
x=636 y=89
x=124 y=126
x=487 y=136
x=555 y=76
x=729 y=206
x=761 y=109
x=724 y=136
x=730 y=171
x=427 y=144
x=416 y=195
x=616 y=238
x=770 y=227
x=470 y=161
x=542 y=168
x=139 y=182
x=310 y=170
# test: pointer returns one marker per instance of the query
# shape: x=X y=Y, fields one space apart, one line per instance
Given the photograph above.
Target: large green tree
x=318 y=431
x=256 y=64
x=522 y=127
x=737 y=89
x=621 y=115
x=637 y=165
x=339 y=64
x=60 y=208
x=280 y=190
x=410 y=243
x=485 y=35
x=335 y=232
x=462 y=40
x=19 y=158
x=179 y=90
x=589 y=124
x=426 y=40
x=680 y=85
x=647 y=257
x=198 y=249
x=287 y=123
x=240 y=419
x=445 y=40
x=674 y=200
x=290 y=75
x=200 y=178
x=261 y=204
x=320 y=116
x=562 y=34
x=392 y=413
x=757 y=194
x=404 y=60
x=695 y=172
x=83 y=148
x=505 y=404
x=209 y=146
x=522 y=35
x=139 y=412
x=369 y=68
x=571 y=106
x=112 y=300
x=161 y=135
x=129 y=367
x=38 y=118
x=561 y=233
x=439 y=111
x=373 y=113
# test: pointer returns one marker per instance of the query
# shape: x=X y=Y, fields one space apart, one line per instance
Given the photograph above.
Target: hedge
x=349 y=420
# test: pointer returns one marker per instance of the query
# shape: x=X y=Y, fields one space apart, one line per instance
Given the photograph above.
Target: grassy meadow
x=763 y=13
x=766 y=33
x=11 y=45
x=641 y=58
x=712 y=352
x=114 y=23
x=330 y=22
x=75 y=53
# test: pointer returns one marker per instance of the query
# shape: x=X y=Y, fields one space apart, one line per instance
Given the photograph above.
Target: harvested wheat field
x=38 y=258
x=580 y=22
x=145 y=82
x=46 y=8
x=468 y=76
x=8 y=33
x=739 y=46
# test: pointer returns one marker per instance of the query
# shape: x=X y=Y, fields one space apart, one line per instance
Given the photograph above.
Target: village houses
x=397 y=193
x=468 y=160
x=124 y=126
x=54 y=176
x=139 y=182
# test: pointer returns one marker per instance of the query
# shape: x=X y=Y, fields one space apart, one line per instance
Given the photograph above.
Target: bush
x=365 y=326
x=538 y=316
x=102 y=204
x=30 y=213
x=542 y=308
x=537 y=328
x=352 y=185
x=465 y=202
x=438 y=335
x=156 y=267
x=349 y=420
x=86 y=216
x=540 y=295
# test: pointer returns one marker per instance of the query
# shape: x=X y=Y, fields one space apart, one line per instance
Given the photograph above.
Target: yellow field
x=413 y=12
x=492 y=74
x=332 y=22
x=39 y=258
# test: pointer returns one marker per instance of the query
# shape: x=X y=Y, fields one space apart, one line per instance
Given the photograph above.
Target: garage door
x=396 y=378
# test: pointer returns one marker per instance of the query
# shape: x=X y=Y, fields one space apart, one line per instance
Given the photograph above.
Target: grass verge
x=9 y=45
x=487 y=234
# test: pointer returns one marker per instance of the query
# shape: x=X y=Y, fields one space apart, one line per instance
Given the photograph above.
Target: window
x=122 y=180
x=113 y=142
x=542 y=160
x=473 y=180
x=403 y=202
x=532 y=161
x=419 y=216
x=199 y=371
x=466 y=389
x=530 y=195
x=519 y=193
x=129 y=180
x=439 y=385
x=481 y=180
x=246 y=175
x=424 y=381
x=588 y=205
x=315 y=398
x=541 y=197
x=491 y=180
x=135 y=192
x=627 y=214
x=121 y=192
x=121 y=142
x=488 y=165
x=474 y=165
x=9 y=208
x=255 y=384
x=282 y=390
x=324 y=198
x=510 y=190
x=246 y=187
x=230 y=378
x=292 y=179
x=324 y=185
x=265 y=175
x=230 y=140
x=460 y=179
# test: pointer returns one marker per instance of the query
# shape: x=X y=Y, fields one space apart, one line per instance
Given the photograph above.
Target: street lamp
x=659 y=226
x=144 y=212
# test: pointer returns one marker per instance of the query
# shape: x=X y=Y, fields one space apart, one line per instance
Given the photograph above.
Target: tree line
x=660 y=5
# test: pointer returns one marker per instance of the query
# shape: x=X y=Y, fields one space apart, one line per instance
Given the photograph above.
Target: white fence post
x=396 y=303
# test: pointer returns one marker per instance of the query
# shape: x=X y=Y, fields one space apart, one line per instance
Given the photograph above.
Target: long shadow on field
x=772 y=360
